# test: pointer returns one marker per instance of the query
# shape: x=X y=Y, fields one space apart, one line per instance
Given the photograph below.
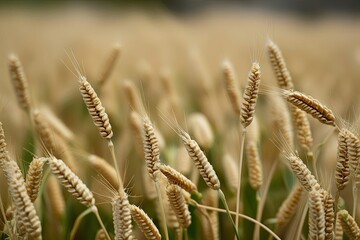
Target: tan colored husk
x=145 y=224
x=302 y=126
x=110 y=64
x=342 y=172
x=328 y=202
x=200 y=129
x=178 y=204
x=311 y=106
x=316 y=216
x=133 y=96
x=250 y=96
x=104 y=169
x=33 y=177
x=353 y=146
x=55 y=197
x=279 y=66
x=122 y=217
x=289 y=206
x=151 y=147
x=176 y=178
x=20 y=82
x=349 y=225
x=232 y=87
x=71 y=182
x=95 y=108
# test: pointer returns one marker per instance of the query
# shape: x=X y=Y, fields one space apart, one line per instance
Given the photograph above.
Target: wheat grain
x=349 y=225
x=174 y=177
x=145 y=224
x=178 y=204
x=33 y=178
x=95 y=108
x=71 y=182
x=151 y=146
x=105 y=169
x=316 y=216
x=122 y=217
x=250 y=96
x=279 y=66
x=310 y=106
x=289 y=206
x=20 y=82
x=231 y=86
x=303 y=130
x=342 y=172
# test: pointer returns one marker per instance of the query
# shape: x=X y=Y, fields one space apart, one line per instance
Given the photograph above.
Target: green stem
x=96 y=212
x=163 y=216
x=242 y=141
x=223 y=200
x=186 y=234
x=112 y=151
x=78 y=221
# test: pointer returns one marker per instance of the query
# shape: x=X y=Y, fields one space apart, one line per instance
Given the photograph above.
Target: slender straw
x=242 y=141
x=157 y=184
x=223 y=200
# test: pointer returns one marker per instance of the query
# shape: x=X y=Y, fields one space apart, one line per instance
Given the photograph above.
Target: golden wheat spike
x=316 y=216
x=342 y=171
x=349 y=225
x=302 y=126
x=33 y=177
x=151 y=147
x=145 y=224
x=178 y=204
x=174 y=177
x=232 y=87
x=122 y=217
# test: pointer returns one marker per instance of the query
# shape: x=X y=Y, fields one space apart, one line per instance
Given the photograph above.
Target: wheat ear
x=342 y=172
x=33 y=177
x=122 y=217
x=201 y=130
x=25 y=209
x=250 y=96
x=105 y=169
x=316 y=216
x=349 y=225
x=328 y=202
x=110 y=64
x=302 y=126
x=231 y=86
x=178 y=204
x=151 y=147
x=176 y=178
x=71 y=182
x=311 y=106
x=145 y=224
x=338 y=228
x=20 y=83
x=289 y=206
x=4 y=156
x=279 y=66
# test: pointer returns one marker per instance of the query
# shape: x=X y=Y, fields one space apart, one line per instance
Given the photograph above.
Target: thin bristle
x=104 y=169
x=310 y=106
x=302 y=173
x=342 y=172
x=250 y=96
x=201 y=162
x=232 y=89
x=279 y=66
x=316 y=216
x=25 y=209
x=151 y=147
x=289 y=206
x=349 y=225
x=145 y=224
x=71 y=182
x=33 y=177
x=122 y=217
x=174 y=177
x=95 y=108
x=178 y=204
x=302 y=126
x=19 y=82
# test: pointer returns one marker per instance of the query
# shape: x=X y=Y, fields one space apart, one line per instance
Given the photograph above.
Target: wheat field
x=142 y=124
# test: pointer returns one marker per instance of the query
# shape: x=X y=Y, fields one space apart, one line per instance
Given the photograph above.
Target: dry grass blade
x=25 y=209
x=179 y=206
x=289 y=206
x=302 y=126
x=279 y=66
x=342 y=172
x=250 y=96
x=105 y=169
x=145 y=224
x=151 y=147
x=122 y=217
x=310 y=106
x=349 y=225
x=71 y=182
x=174 y=177
x=231 y=86
x=33 y=177
x=19 y=82
x=316 y=216
x=95 y=108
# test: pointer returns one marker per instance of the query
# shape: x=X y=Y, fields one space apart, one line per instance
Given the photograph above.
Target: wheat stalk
x=122 y=217
x=316 y=216
x=311 y=106
x=33 y=178
x=20 y=83
x=349 y=225
x=231 y=86
x=145 y=224
x=178 y=204
x=250 y=96
x=176 y=178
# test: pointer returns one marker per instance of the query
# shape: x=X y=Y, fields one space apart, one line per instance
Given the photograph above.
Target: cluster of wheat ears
x=178 y=197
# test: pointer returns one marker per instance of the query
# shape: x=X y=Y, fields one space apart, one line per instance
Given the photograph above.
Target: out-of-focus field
x=322 y=54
